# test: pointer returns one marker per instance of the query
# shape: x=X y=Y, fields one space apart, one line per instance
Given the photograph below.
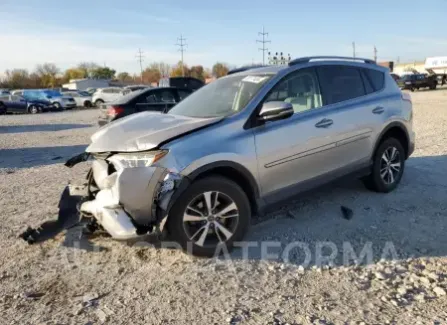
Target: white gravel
x=117 y=283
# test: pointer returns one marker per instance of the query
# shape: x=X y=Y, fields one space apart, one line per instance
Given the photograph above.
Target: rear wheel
x=87 y=103
x=2 y=109
x=99 y=102
x=388 y=166
x=209 y=216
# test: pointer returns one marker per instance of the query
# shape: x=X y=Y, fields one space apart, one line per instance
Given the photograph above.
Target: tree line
x=48 y=75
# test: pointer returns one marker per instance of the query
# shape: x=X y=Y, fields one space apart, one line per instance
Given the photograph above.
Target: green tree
x=16 y=78
x=124 y=77
x=88 y=68
x=151 y=75
x=103 y=73
x=220 y=69
x=198 y=72
x=178 y=70
x=47 y=73
x=74 y=73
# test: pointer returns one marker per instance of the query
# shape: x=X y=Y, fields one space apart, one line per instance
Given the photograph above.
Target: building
x=412 y=67
x=83 y=84
x=436 y=64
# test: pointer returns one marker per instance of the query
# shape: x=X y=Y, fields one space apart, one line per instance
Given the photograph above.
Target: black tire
x=98 y=102
x=374 y=181
x=227 y=188
x=87 y=104
x=2 y=109
x=57 y=105
x=33 y=109
x=433 y=87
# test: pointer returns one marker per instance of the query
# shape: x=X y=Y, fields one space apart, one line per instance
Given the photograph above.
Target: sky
x=111 y=32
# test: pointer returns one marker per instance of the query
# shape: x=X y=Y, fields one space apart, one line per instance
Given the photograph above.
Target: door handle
x=324 y=123
x=378 y=110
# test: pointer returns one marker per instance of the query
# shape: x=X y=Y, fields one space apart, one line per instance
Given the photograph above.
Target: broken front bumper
x=129 y=202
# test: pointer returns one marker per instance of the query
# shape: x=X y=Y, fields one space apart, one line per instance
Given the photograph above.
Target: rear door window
x=182 y=94
x=340 y=83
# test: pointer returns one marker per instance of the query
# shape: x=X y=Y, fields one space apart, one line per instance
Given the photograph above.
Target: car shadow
x=40 y=127
x=408 y=222
x=37 y=156
x=313 y=231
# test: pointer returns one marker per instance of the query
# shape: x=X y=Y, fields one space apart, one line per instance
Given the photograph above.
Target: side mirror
x=274 y=111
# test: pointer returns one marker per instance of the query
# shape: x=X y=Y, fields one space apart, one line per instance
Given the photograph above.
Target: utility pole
x=263 y=41
x=182 y=46
x=353 y=49
x=375 y=54
x=140 y=57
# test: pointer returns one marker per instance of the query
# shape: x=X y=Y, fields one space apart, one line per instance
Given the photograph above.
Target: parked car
x=18 y=104
x=149 y=99
x=136 y=87
x=242 y=143
x=4 y=92
x=417 y=81
x=91 y=91
x=57 y=100
x=181 y=82
x=109 y=94
x=82 y=98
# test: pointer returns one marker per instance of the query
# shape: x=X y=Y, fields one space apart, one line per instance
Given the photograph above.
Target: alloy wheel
x=390 y=165
x=210 y=219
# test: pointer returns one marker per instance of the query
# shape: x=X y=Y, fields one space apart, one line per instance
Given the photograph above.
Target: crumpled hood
x=144 y=131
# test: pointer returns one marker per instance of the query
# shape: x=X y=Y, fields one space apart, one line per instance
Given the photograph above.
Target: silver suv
x=242 y=143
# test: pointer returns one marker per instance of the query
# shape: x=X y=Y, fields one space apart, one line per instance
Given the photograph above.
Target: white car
x=82 y=98
x=104 y=95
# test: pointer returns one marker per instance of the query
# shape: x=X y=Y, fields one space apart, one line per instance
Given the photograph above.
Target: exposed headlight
x=136 y=159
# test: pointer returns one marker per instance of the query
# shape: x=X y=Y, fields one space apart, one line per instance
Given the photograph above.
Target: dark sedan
x=151 y=99
x=18 y=104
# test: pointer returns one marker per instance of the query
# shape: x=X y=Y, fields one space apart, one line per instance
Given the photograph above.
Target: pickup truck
x=417 y=81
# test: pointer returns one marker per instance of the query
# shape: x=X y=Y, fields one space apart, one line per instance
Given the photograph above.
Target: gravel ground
x=63 y=282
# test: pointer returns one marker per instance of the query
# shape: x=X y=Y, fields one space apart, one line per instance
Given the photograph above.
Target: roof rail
x=329 y=58
x=245 y=68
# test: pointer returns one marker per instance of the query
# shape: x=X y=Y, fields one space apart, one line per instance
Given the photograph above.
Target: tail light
x=114 y=111
x=406 y=97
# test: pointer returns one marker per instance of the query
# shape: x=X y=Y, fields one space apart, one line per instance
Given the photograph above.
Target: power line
x=263 y=41
x=140 y=58
x=182 y=46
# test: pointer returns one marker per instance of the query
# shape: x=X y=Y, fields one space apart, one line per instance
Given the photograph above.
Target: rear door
x=355 y=110
x=18 y=104
x=158 y=100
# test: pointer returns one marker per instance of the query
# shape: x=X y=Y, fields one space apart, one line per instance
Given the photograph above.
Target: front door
x=296 y=149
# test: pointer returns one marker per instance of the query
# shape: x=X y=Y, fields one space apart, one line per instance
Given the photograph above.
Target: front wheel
x=388 y=166
x=211 y=215
x=33 y=109
x=57 y=105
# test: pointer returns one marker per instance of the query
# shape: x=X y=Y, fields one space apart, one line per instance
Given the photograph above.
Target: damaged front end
x=125 y=194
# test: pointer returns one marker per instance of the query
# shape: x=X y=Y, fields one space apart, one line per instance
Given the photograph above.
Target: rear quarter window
x=374 y=80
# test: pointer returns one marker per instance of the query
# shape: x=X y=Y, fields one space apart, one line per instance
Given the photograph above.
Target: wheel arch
x=396 y=130
x=233 y=171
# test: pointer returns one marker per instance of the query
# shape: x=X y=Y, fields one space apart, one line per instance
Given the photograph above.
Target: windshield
x=222 y=97
x=52 y=93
